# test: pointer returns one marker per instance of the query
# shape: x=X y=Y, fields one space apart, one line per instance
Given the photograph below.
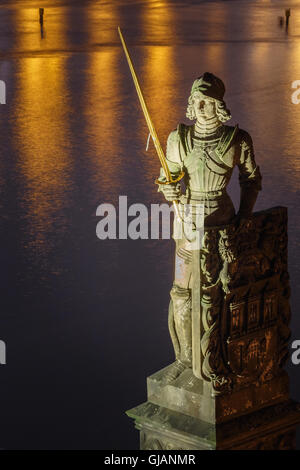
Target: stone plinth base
x=196 y=398
x=272 y=428
x=183 y=413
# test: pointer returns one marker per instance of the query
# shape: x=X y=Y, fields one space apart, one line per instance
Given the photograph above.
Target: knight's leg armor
x=182 y=314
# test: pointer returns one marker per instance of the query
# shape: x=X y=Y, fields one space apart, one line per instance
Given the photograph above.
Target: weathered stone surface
x=272 y=428
x=245 y=320
x=194 y=397
x=170 y=429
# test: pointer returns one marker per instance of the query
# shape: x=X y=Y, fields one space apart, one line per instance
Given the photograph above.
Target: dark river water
x=85 y=320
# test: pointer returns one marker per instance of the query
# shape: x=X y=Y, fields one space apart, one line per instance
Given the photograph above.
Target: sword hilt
x=157 y=181
x=175 y=202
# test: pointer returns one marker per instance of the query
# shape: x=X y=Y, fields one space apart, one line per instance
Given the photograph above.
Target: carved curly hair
x=221 y=110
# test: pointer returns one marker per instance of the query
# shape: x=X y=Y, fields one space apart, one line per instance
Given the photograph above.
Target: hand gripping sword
x=151 y=128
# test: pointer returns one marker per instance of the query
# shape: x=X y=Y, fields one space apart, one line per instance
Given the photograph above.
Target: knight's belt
x=192 y=195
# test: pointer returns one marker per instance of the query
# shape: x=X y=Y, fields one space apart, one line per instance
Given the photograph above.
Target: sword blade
x=151 y=127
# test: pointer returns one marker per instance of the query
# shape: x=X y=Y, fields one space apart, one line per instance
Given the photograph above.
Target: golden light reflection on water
x=103 y=21
x=274 y=122
x=41 y=130
x=27 y=25
x=103 y=90
x=159 y=79
x=28 y=20
x=102 y=116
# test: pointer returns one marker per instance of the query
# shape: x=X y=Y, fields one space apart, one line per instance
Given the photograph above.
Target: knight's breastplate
x=205 y=171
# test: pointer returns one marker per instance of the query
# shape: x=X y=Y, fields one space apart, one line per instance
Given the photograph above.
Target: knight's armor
x=208 y=162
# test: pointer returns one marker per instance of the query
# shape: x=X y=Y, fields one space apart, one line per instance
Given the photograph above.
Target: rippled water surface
x=84 y=320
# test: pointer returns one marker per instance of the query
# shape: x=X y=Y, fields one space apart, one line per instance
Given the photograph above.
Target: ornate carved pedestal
x=237 y=395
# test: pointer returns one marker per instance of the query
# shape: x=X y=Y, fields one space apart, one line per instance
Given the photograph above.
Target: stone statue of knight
x=207 y=152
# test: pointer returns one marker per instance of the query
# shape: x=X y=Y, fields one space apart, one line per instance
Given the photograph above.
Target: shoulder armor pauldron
x=226 y=141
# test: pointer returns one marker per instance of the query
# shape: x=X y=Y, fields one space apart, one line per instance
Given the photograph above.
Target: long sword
x=151 y=128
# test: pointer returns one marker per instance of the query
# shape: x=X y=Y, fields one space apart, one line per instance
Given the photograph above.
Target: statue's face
x=204 y=107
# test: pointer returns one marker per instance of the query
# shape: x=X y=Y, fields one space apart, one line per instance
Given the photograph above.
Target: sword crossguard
x=157 y=181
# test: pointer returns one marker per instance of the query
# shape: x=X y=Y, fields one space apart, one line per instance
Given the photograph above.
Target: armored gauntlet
x=171 y=192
